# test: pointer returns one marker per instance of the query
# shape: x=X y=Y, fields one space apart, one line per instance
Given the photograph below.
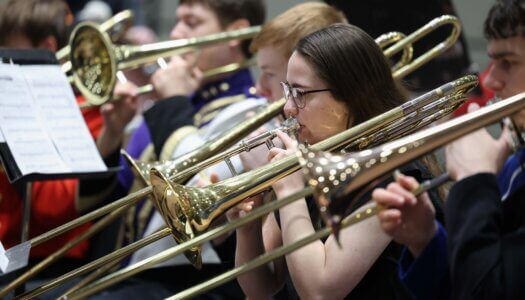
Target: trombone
x=389 y=156
x=116 y=26
x=95 y=60
x=118 y=207
x=184 y=229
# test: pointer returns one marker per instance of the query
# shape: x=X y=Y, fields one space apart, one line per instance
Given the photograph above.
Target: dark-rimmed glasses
x=297 y=94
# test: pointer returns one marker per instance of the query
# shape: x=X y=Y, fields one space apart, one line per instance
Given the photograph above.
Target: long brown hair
x=354 y=68
x=356 y=71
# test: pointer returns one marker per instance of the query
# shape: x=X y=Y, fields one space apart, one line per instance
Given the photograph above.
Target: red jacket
x=53 y=204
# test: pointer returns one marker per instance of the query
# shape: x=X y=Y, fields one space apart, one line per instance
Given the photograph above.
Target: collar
x=240 y=82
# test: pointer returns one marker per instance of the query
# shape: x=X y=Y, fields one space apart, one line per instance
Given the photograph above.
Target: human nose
x=492 y=81
x=290 y=109
x=178 y=32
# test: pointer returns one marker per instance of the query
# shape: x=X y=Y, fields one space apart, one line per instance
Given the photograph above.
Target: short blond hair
x=284 y=31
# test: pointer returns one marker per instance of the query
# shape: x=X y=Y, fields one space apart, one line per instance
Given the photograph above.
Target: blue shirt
x=512 y=175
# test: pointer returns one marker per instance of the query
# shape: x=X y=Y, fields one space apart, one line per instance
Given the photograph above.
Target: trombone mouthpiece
x=290 y=126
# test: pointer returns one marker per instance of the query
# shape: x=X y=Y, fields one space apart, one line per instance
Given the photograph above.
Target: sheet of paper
x=20 y=120
x=65 y=124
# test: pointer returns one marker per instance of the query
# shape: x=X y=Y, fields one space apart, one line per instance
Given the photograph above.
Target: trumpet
x=373 y=164
x=118 y=207
x=233 y=190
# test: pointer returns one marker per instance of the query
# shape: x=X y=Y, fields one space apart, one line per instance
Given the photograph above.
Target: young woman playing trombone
x=337 y=77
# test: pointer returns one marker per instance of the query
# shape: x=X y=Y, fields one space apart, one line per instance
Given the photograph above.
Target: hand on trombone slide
x=407 y=218
x=489 y=156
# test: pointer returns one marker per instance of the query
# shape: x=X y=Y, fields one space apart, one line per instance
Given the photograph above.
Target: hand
x=117 y=115
x=258 y=156
x=179 y=78
x=293 y=182
x=204 y=180
x=243 y=208
x=408 y=219
x=477 y=152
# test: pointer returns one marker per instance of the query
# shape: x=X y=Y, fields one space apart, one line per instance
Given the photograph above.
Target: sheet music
x=65 y=124
x=41 y=123
x=28 y=141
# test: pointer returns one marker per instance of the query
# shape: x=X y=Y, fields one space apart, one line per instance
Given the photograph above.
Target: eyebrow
x=296 y=85
x=501 y=54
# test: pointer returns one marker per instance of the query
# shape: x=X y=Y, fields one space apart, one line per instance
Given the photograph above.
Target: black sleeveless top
x=381 y=281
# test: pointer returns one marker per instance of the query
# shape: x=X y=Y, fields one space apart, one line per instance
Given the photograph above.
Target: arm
x=486 y=261
x=409 y=220
x=253 y=240
x=486 y=258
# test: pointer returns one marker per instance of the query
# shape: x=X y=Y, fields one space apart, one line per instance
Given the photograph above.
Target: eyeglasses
x=297 y=94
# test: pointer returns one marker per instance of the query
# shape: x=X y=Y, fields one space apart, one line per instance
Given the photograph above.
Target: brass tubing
x=128 y=200
x=123 y=16
x=181 y=248
x=116 y=255
x=90 y=278
x=403 y=150
x=285 y=166
x=418 y=34
x=148 y=88
x=185 y=160
x=60 y=252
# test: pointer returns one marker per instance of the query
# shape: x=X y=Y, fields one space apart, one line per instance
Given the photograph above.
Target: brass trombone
x=116 y=26
x=130 y=199
x=372 y=164
x=250 y=183
x=118 y=207
x=95 y=60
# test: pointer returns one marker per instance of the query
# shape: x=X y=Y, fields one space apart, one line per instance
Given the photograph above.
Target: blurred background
x=159 y=16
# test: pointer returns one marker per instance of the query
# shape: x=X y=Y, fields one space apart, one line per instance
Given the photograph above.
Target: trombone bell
x=163 y=192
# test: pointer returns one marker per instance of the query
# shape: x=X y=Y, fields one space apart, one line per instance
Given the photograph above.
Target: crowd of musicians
x=458 y=241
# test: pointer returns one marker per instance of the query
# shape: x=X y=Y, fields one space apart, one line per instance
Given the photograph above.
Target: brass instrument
x=190 y=210
x=128 y=200
x=148 y=88
x=249 y=183
x=417 y=35
x=394 y=154
x=95 y=60
x=170 y=169
x=118 y=207
x=191 y=159
x=116 y=26
x=393 y=37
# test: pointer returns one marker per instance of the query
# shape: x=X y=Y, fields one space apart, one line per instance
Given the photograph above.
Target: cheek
x=277 y=90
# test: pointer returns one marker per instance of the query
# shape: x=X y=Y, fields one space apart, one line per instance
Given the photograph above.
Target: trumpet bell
x=165 y=199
